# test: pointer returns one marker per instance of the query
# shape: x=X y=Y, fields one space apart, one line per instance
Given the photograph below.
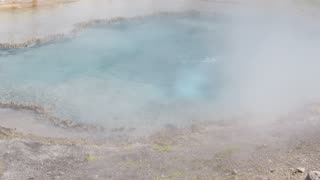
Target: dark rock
x=301 y=170
x=297 y=170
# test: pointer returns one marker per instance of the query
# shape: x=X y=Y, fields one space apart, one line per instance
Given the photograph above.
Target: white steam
x=273 y=58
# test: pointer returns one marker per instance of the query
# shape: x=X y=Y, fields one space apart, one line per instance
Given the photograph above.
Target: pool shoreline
x=39 y=29
x=79 y=27
x=19 y=38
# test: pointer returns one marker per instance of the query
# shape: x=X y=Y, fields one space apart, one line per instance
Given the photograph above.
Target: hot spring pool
x=150 y=71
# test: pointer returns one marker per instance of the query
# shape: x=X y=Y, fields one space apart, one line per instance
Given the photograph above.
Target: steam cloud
x=272 y=54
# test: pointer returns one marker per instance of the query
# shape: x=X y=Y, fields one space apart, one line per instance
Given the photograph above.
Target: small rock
x=301 y=170
x=313 y=175
x=234 y=172
x=195 y=128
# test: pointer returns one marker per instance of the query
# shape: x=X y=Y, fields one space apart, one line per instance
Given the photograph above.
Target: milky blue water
x=145 y=72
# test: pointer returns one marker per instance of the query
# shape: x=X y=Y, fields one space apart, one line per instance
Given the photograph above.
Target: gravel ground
x=240 y=148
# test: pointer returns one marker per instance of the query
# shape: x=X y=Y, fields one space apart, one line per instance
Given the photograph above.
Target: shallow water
x=144 y=72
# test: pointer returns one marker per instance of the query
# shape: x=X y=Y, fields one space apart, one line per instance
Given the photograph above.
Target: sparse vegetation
x=90 y=158
x=162 y=148
x=226 y=153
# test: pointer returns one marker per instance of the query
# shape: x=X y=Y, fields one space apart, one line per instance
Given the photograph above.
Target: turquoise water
x=145 y=72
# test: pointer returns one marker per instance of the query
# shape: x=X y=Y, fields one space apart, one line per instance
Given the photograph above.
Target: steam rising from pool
x=151 y=71
x=171 y=69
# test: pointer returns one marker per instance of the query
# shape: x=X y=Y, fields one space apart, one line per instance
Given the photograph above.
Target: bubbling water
x=146 y=72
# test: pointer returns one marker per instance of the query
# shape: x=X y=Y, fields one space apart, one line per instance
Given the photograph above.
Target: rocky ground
x=239 y=148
